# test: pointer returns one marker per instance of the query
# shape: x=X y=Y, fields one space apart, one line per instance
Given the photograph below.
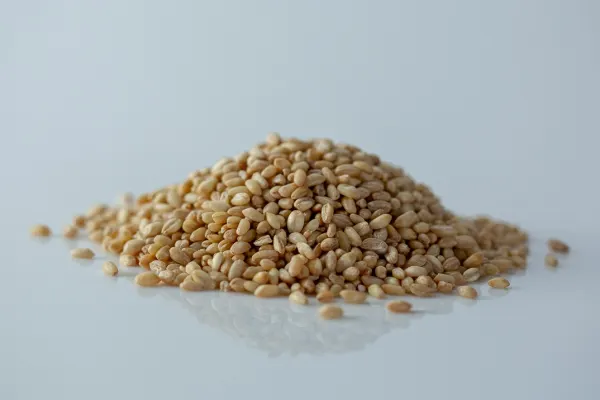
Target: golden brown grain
x=353 y=296
x=267 y=291
x=325 y=296
x=398 y=306
x=82 y=253
x=109 y=268
x=40 y=231
x=191 y=285
x=127 y=260
x=471 y=274
x=298 y=297
x=376 y=291
x=467 y=292
x=330 y=311
x=70 y=232
x=499 y=283
x=558 y=246
x=393 y=290
x=415 y=271
x=551 y=260
x=445 y=287
x=147 y=278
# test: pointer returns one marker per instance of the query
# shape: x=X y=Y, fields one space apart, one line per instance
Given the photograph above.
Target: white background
x=493 y=104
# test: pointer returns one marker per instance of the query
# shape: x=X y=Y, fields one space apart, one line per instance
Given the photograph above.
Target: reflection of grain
x=276 y=328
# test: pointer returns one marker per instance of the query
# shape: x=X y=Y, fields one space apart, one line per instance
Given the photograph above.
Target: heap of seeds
x=315 y=217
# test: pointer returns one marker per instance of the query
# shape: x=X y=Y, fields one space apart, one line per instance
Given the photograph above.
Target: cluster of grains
x=555 y=246
x=307 y=217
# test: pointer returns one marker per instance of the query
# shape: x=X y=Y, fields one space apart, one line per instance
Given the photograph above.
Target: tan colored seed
x=415 y=271
x=82 y=253
x=267 y=291
x=420 y=290
x=325 y=297
x=467 y=292
x=558 y=246
x=40 y=231
x=374 y=244
x=327 y=213
x=240 y=248
x=330 y=311
x=300 y=177
x=295 y=221
x=499 y=283
x=406 y=220
x=474 y=261
x=381 y=222
x=109 y=268
x=393 y=290
x=251 y=286
x=471 y=275
x=551 y=260
x=179 y=256
x=273 y=220
x=490 y=269
x=147 y=278
x=171 y=226
x=376 y=291
x=253 y=215
x=298 y=298
x=70 y=232
x=445 y=287
x=399 y=306
x=353 y=296
x=134 y=246
x=128 y=260
x=191 y=285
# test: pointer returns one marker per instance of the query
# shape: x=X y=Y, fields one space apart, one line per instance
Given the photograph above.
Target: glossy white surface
x=493 y=104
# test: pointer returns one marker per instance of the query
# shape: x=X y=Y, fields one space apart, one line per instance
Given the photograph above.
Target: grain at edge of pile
x=147 y=279
x=325 y=297
x=399 y=306
x=82 y=253
x=499 y=283
x=467 y=292
x=40 y=230
x=70 y=232
x=330 y=311
x=298 y=297
x=551 y=260
x=376 y=291
x=110 y=269
x=267 y=291
x=353 y=296
x=558 y=246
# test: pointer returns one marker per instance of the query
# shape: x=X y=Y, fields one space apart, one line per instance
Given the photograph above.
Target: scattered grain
x=551 y=260
x=40 y=231
x=398 y=306
x=70 y=232
x=558 y=246
x=499 y=283
x=330 y=311
x=109 y=268
x=82 y=253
